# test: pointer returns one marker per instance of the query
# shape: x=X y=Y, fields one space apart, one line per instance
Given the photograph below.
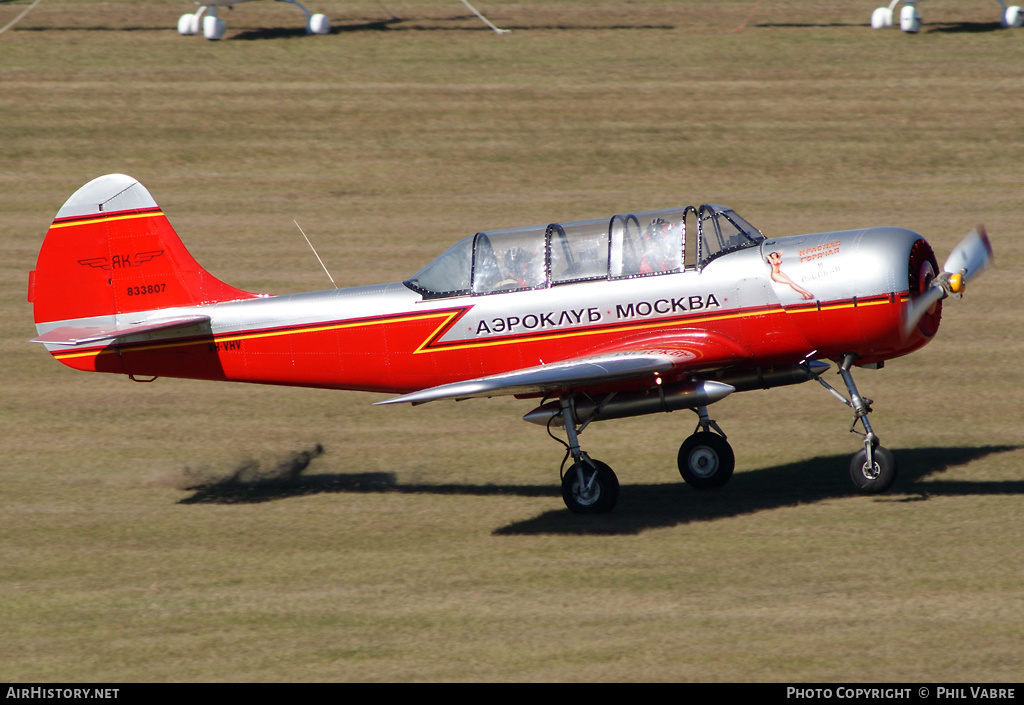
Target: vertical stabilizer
x=111 y=250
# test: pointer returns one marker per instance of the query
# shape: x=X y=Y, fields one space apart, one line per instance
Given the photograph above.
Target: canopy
x=625 y=246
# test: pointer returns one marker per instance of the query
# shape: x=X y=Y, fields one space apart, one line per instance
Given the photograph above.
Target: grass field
x=431 y=543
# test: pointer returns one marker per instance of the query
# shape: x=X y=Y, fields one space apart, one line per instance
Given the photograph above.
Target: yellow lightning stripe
x=337 y=326
x=833 y=307
x=91 y=353
x=106 y=219
x=436 y=332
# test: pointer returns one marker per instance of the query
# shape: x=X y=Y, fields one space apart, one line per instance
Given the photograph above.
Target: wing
x=626 y=359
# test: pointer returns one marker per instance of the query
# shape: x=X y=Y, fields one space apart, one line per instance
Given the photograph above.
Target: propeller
x=971 y=257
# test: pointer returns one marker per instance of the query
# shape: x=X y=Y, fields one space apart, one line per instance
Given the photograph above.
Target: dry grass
x=431 y=543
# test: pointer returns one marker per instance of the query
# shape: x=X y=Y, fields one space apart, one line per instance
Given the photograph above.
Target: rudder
x=111 y=250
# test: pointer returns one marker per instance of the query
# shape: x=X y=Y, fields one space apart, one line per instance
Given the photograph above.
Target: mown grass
x=431 y=543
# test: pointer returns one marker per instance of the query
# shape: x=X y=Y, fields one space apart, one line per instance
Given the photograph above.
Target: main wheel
x=706 y=460
x=876 y=478
x=599 y=494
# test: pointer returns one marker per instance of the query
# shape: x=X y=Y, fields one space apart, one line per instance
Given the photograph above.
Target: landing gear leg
x=706 y=460
x=588 y=486
x=872 y=469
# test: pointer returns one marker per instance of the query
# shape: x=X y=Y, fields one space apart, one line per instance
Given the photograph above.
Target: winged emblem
x=97 y=262
x=119 y=261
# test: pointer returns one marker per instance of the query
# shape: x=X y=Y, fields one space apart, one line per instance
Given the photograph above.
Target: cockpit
x=643 y=244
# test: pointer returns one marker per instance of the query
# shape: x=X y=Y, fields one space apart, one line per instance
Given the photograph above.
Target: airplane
x=213 y=26
x=633 y=314
x=910 y=19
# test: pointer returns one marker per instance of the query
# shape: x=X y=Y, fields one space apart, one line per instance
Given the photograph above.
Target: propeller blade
x=972 y=256
x=919 y=306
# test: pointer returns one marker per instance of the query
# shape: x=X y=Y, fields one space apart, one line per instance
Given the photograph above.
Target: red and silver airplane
x=212 y=26
x=632 y=314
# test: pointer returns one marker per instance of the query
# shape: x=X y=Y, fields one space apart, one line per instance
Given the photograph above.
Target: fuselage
x=778 y=302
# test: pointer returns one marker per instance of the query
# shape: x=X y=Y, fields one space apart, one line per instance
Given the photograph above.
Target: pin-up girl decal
x=775 y=260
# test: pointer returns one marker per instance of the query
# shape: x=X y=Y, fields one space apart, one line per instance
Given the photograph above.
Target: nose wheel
x=875 y=475
x=873 y=468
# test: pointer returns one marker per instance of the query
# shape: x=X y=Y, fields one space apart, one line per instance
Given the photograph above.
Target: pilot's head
x=518 y=259
x=658 y=228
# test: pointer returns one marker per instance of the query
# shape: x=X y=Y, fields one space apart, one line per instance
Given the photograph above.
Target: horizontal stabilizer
x=547 y=378
x=83 y=335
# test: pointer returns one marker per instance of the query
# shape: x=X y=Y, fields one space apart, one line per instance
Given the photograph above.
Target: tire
x=877 y=479
x=706 y=460
x=605 y=489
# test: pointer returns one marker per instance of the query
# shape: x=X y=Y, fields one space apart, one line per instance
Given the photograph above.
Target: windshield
x=448 y=275
x=722 y=230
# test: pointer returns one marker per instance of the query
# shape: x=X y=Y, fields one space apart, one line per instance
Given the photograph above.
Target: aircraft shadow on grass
x=653 y=506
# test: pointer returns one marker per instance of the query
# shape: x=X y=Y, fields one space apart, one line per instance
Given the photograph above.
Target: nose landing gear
x=872 y=469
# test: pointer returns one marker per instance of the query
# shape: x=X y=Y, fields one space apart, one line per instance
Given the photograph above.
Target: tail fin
x=111 y=250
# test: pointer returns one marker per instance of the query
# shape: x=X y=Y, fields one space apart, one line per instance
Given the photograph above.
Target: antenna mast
x=314 y=253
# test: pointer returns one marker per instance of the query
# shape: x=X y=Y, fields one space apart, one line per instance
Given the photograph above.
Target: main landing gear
x=588 y=486
x=873 y=468
x=706 y=460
